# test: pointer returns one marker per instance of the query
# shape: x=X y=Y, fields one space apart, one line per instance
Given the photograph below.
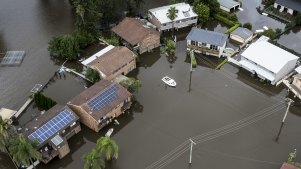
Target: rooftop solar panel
x=103 y=98
x=53 y=126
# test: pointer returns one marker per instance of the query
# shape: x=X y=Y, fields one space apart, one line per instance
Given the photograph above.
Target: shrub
x=269 y=33
x=193 y=59
x=248 y=25
x=233 y=17
x=170 y=47
x=298 y=19
x=224 y=20
x=43 y=102
x=83 y=38
x=131 y=84
x=278 y=31
x=64 y=47
x=92 y=75
x=232 y=29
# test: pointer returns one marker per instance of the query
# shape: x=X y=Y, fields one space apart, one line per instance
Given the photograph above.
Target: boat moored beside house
x=112 y=61
x=185 y=17
x=206 y=42
x=268 y=61
x=98 y=105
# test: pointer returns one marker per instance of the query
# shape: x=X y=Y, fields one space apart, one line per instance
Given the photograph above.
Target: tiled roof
x=133 y=30
x=242 y=32
x=209 y=37
x=83 y=98
x=112 y=60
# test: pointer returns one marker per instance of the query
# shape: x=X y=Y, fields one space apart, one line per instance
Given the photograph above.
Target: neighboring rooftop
x=133 y=30
x=268 y=55
x=293 y=4
x=298 y=69
x=13 y=58
x=242 y=32
x=205 y=36
x=96 y=55
x=228 y=3
x=50 y=123
x=101 y=98
x=184 y=11
x=111 y=60
x=6 y=113
x=288 y=166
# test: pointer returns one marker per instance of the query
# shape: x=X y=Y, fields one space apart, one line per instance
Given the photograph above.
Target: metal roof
x=242 y=32
x=209 y=37
x=228 y=3
x=293 y=4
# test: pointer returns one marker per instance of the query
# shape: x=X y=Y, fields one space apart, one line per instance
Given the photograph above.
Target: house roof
x=242 y=32
x=6 y=113
x=288 y=166
x=91 y=94
x=293 y=4
x=184 y=11
x=133 y=30
x=209 y=37
x=268 y=56
x=228 y=3
x=112 y=60
x=98 y=54
x=47 y=116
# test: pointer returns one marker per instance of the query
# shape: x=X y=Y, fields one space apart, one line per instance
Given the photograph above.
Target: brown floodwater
x=164 y=117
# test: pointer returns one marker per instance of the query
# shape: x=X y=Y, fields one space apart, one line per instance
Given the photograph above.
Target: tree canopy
x=93 y=160
x=202 y=11
x=107 y=146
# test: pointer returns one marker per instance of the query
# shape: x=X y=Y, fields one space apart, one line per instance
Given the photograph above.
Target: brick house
x=98 y=105
x=138 y=34
x=112 y=61
x=52 y=129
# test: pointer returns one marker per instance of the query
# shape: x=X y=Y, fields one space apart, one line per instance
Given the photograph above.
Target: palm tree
x=23 y=150
x=5 y=133
x=80 y=11
x=107 y=145
x=93 y=160
x=172 y=15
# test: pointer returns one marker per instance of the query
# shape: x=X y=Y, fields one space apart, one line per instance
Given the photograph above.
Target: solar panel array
x=13 y=58
x=103 y=98
x=53 y=126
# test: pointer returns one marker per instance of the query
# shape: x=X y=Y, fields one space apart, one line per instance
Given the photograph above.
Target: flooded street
x=233 y=117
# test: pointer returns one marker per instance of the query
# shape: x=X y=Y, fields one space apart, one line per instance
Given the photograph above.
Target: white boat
x=265 y=27
x=259 y=31
x=265 y=14
x=169 y=81
x=240 y=9
x=109 y=132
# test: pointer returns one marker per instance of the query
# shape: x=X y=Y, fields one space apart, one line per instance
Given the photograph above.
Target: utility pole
x=289 y=102
x=190 y=156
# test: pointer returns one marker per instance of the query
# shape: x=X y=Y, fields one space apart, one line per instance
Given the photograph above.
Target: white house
x=206 y=42
x=241 y=35
x=288 y=6
x=229 y=5
x=268 y=61
x=185 y=17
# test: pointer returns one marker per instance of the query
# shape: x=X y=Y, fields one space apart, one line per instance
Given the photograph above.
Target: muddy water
x=165 y=117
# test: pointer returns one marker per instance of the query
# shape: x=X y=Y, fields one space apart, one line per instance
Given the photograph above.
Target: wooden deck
x=293 y=88
x=203 y=49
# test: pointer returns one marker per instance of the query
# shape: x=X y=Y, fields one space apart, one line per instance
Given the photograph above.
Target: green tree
x=83 y=38
x=92 y=74
x=43 y=102
x=93 y=160
x=202 y=11
x=80 y=11
x=24 y=151
x=212 y=4
x=6 y=129
x=64 y=47
x=172 y=14
x=298 y=19
x=269 y=33
x=177 y=1
x=131 y=84
x=133 y=6
x=170 y=47
x=247 y=25
x=108 y=146
x=233 y=17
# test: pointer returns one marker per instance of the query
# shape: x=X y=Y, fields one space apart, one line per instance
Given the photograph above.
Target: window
x=194 y=43
x=164 y=24
x=204 y=44
x=213 y=47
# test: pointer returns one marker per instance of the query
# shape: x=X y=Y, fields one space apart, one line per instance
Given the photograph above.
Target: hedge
x=232 y=28
x=224 y=20
x=193 y=60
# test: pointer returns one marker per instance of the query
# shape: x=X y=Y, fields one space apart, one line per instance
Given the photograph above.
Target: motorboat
x=169 y=81
x=109 y=132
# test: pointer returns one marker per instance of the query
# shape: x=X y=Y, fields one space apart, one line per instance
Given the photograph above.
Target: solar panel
x=103 y=98
x=53 y=126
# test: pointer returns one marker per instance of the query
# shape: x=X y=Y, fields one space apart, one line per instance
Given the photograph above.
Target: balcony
x=203 y=49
